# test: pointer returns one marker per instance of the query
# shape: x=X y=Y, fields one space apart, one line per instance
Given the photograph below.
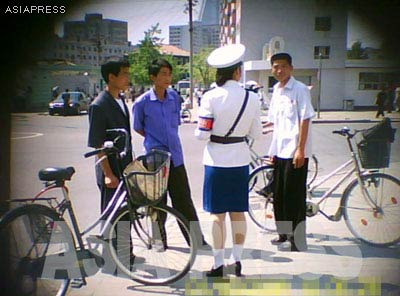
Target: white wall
x=293 y=20
x=360 y=97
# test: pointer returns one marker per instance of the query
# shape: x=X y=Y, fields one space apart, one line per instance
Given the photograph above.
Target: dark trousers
x=290 y=193
x=381 y=110
x=181 y=199
x=106 y=196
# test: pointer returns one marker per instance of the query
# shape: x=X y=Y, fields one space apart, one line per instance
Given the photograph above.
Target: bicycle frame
x=356 y=168
x=328 y=193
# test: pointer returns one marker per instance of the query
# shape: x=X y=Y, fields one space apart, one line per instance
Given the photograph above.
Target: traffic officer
x=228 y=114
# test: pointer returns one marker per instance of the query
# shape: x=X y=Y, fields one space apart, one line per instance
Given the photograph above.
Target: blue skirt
x=226 y=189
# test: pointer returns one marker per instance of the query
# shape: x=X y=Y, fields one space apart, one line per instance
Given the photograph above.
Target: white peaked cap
x=226 y=56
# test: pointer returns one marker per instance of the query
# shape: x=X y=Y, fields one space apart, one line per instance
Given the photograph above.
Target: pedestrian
x=108 y=111
x=391 y=95
x=157 y=119
x=66 y=98
x=54 y=93
x=290 y=115
x=227 y=115
x=397 y=91
x=381 y=98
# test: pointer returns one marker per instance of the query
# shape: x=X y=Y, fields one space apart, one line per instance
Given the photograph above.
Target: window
x=322 y=52
x=376 y=80
x=323 y=23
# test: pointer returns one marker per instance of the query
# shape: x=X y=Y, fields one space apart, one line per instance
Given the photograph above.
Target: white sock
x=237 y=251
x=218 y=257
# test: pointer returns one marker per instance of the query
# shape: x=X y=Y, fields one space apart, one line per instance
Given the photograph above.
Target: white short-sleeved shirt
x=289 y=105
x=223 y=105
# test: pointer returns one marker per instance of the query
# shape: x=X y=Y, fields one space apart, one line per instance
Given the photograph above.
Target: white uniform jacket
x=289 y=105
x=221 y=106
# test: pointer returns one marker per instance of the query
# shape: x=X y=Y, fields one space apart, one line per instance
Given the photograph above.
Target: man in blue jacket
x=157 y=118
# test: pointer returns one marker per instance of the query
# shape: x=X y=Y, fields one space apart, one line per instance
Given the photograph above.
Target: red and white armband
x=205 y=123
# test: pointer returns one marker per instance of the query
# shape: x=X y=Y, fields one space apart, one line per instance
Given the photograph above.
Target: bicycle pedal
x=78 y=283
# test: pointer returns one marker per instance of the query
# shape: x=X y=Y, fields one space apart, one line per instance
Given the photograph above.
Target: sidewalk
x=335 y=263
x=330 y=116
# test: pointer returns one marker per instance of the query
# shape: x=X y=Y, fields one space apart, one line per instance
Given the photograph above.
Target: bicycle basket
x=147 y=177
x=374 y=154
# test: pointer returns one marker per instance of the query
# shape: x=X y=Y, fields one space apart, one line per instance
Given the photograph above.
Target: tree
x=357 y=52
x=149 y=50
x=140 y=59
x=202 y=71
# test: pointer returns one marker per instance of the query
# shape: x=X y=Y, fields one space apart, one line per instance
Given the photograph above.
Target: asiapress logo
x=35 y=9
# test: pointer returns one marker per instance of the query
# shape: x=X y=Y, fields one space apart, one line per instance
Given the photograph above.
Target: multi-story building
x=315 y=34
x=90 y=42
x=205 y=30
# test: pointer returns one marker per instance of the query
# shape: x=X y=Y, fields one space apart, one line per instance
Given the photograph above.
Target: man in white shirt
x=290 y=114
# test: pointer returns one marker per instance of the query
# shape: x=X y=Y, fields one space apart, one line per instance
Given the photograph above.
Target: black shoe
x=234 y=268
x=279 y=240
x=217 y=272
x=290 y=246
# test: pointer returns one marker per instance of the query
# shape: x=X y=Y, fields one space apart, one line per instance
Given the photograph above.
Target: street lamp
x=319 y=85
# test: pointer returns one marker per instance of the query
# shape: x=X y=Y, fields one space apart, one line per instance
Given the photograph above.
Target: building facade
x=206 y=30
x=315 y=34
x=92 y=41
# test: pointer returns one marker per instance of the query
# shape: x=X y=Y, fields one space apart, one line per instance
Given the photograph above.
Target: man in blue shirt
x=157 y=118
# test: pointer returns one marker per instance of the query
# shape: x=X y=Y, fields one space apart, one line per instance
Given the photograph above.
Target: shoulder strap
x=246 y=98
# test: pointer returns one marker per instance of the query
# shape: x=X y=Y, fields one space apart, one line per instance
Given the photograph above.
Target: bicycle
x=261 y=198
x=35 y=235
x=262 y=160
x=369 y=204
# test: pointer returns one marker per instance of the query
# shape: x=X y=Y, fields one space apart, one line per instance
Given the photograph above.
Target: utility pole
x=319 y=85
x=191 y=51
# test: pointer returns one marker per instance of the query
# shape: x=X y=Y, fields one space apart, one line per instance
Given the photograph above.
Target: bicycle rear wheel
x=377 y=222
x=162 y=254
x=261 y=209
x=31 y=234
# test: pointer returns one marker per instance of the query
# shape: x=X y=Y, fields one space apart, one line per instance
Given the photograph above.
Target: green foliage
x=140 y=59
x=147 y=51
x=202 y=72
x=357 y=52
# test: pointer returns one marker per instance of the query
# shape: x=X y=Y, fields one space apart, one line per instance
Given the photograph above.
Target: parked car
x=77 y=102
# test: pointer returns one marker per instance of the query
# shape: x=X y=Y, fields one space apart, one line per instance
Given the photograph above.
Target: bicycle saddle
x=56 y=174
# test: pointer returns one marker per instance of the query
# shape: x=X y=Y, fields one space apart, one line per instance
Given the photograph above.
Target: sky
x=140 y=15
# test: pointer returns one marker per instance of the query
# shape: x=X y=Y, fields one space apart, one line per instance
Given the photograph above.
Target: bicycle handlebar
x=345 y=131
x=109 y=147
x=94 y=152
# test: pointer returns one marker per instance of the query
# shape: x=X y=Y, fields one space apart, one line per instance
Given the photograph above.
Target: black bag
x=374 y=148
x=382 y=131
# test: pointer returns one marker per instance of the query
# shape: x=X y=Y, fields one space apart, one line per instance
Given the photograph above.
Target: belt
x=226 y=140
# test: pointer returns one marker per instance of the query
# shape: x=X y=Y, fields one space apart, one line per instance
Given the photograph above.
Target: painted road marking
x=24 y=135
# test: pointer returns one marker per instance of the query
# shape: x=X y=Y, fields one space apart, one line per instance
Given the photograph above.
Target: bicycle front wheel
x=31 y=235
x=163 y=252
x=261 y=209
x=375 y=221
x=312 y=169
